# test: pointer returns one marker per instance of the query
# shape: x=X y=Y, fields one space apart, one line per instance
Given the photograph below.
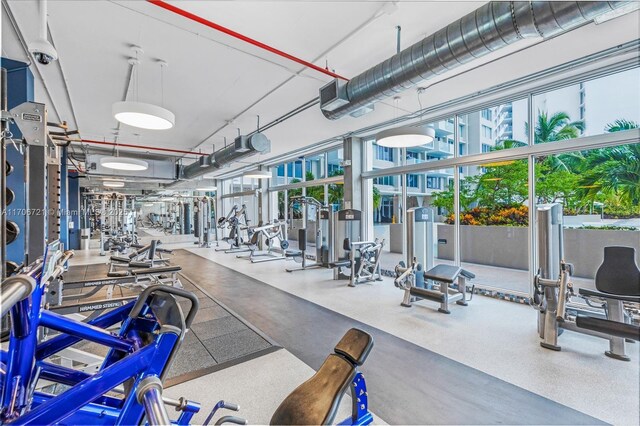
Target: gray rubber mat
x=218 y=337
x=406 y=383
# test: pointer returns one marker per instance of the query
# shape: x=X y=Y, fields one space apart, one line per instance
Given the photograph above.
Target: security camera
x=43 y=51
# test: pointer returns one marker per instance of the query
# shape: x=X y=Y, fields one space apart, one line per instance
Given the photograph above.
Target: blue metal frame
x=129 y=361
x=360 y=414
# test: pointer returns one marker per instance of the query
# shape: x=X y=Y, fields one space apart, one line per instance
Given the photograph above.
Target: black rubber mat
x=218 y=338
x=407 y=384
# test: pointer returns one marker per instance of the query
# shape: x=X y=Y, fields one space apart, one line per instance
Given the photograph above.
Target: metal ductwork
x=489 y=28
x=242 y=147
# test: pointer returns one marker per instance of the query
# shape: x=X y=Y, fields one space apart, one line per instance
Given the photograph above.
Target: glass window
x=334 y=162
x=590 y=108
x=506 y=129
x=493 y=224
x=600 y=195
x=412 y=181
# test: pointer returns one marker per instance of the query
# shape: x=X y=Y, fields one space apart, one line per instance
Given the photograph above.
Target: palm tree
x=615 y=170
x=620 y=125
x=556 y=128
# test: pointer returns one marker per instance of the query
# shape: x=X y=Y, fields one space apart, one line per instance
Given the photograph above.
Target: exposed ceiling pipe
x=145 y=147
x=242 y=147
x=242 y=37
x=487 y=29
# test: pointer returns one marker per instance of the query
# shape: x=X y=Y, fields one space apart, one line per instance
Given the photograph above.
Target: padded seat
x=447 y=273
x=120 y=259
x=595 y=293
x=316 y=401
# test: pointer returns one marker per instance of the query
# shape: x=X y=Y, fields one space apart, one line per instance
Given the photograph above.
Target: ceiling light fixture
x=113 y=184
x=124 y=163
x=258 y=174
x=140 y=114
x=405 y=137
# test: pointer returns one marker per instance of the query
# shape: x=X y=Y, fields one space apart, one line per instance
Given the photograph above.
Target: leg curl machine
x=609 y=312
x=269 y=235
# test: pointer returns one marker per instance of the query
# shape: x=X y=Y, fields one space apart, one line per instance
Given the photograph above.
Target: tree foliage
x=609 y=175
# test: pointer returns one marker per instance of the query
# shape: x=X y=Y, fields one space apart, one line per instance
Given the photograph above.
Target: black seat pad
x=316 y=401
x=293 y=253
x=120 y=259
x=587 y=292
x=446 y=273
x=156 y=270
x=619 y=273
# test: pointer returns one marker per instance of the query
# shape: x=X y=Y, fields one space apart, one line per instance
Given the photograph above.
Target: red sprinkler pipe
x=128 y=145
x=242 y=37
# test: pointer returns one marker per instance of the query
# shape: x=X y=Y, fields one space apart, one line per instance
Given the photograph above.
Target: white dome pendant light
x=405 y=136
x=140 y=114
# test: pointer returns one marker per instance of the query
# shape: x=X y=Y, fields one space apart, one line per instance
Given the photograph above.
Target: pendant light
x=405 y=136
x=124 y=163
x=140 y=114
x=258 y=174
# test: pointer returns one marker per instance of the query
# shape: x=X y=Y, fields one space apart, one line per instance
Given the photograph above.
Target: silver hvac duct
x=489 y=28
x=242 y=146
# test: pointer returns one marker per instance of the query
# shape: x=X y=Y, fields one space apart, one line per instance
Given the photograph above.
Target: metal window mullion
x=532 y=195
x=569 y=145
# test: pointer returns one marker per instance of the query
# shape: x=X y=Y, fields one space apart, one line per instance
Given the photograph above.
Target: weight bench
x=142 y=277
x=316 y=401
x=445 y=275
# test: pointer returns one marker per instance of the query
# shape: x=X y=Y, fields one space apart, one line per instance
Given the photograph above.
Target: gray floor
x=217 y=339
x=407 y=383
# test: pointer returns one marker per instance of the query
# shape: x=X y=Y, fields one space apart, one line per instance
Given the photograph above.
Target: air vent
x=333 y=96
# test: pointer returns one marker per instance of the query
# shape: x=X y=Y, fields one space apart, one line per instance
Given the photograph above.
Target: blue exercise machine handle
x=137 y=308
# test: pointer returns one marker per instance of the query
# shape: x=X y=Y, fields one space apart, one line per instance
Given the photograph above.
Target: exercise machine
x=203 y=208
x=270 y=235
x=146 y=256
x=238 y=224
x=316 y=401
x=609 y=312
x=322 y=234
x=61 y=291
x=442 y=284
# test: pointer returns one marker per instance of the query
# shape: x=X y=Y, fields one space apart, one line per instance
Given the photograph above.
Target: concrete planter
x=507 y=246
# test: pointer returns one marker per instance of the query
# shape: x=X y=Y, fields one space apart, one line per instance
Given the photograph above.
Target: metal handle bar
x=232 y=419
x=137 y=308
x=15 y=289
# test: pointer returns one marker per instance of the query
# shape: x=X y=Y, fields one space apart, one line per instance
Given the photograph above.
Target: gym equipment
x=441 y=291
x=203 y=206
x=323 y=227
x=135 y=278
x=610 y=312
x=354 y=260
x=146 y=256
x=114 y=217
x=238 y=224
x=270 y=234
x=151 y=332
x=316 y=401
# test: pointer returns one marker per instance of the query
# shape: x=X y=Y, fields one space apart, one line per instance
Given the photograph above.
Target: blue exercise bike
x=127 y=387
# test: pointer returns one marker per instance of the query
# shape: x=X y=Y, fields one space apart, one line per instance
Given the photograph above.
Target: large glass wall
x=592 y=107
x=599 y=188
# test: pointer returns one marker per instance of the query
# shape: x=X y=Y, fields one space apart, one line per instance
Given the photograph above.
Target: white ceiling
x=213 y=78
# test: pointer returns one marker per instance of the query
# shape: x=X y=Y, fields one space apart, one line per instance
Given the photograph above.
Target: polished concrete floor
x=492 y=337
